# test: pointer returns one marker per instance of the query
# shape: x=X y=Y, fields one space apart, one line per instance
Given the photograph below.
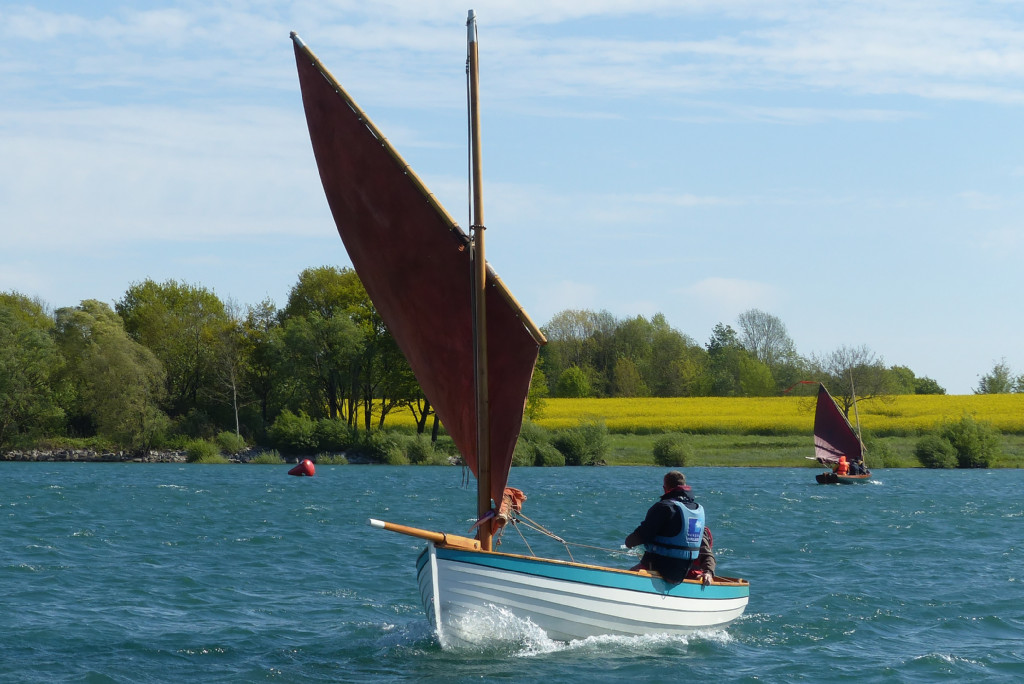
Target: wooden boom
x=435 y=537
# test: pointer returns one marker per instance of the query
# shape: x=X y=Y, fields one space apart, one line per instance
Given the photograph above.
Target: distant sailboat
x=835 y=438
x=473 y=350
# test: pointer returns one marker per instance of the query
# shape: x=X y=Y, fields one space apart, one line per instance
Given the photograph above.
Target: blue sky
x=855 y=168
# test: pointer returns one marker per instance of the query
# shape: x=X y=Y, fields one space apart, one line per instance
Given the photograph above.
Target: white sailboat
x=473 y=350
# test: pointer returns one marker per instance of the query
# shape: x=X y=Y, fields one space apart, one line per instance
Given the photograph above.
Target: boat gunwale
x=722 y=581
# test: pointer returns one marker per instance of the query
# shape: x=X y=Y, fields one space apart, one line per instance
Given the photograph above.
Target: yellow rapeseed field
x=900 y=415
x=906 y=414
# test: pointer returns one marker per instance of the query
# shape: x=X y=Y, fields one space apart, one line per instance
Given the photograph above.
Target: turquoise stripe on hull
x=592 y=576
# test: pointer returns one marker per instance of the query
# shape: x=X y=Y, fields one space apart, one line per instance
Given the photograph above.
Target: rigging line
x=523 y=537
x=628 y=552
x=519 y=518
x=527 y=522
x=540 y=528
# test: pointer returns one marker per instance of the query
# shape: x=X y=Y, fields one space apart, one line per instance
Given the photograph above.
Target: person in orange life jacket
x=842 y=468
x=673 y=534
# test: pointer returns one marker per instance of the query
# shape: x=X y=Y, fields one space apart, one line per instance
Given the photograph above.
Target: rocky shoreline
x=149 y=456
x=93 y=456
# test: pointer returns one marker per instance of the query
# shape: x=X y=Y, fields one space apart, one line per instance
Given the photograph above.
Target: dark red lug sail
x=415 y=264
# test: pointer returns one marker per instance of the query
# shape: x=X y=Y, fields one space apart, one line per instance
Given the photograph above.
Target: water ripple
x=162 y=572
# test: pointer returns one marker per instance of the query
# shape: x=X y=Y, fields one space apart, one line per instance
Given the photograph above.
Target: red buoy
x=305 y=467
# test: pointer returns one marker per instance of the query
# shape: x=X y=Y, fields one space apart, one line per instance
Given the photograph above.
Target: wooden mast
x=856 y=415
x=483 y=432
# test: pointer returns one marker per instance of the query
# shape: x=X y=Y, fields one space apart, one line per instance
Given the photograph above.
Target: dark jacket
x=664 y=519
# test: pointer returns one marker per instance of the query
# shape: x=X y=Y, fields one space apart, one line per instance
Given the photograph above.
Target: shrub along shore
x=253 y=455
x=621 y=449
x=899 y=432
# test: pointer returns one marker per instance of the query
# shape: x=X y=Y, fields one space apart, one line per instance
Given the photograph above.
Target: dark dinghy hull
x=832 y=478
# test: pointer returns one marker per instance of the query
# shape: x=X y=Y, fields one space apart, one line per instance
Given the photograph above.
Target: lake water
x=169 y=573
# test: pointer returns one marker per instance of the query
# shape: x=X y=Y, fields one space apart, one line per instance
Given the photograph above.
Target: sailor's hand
x=707 y=578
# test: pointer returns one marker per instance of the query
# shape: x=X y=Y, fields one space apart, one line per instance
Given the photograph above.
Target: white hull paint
x=567 y=601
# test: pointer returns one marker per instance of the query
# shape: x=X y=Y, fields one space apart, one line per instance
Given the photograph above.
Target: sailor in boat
x=674 y=535
x=842 y=468
x=704 y=567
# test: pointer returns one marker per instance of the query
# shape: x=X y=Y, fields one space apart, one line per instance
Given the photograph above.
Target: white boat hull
x=566 y=600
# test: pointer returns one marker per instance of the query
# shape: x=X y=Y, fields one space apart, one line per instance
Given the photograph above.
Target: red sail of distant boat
x=833 y=434
x=415 y=264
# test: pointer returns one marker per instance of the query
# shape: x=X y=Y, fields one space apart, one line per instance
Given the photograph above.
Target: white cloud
x=162 y=143
x=929 y=50
x=1004 y=243
x=717 y=112
x=683 y=199
x=730 y=296
x=130 y=173
x=980 y=200
x=566 y=294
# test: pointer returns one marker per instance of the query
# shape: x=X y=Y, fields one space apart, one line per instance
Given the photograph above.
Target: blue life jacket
x=686 y=544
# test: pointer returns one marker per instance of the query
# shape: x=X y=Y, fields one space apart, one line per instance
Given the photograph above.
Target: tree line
x=593 y=354
x=172 y=360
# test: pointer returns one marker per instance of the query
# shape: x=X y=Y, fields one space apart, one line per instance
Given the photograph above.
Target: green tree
x=571 y=342
x=293 y=433
x=325 y=333
x=183 y=325
x=689 y=374
x=765 y=338
x=228 y=385
x=584 y=444
x=390 y=384
x=573 y=384
x=385 y=379
x=902 y=380
x=264 y=362
x=999 y=380
x=321 y=354
x=534 y=448
x=755 y=378
x=935 y=451
x=361 y=372
x=853 y=369
x=926 y=385
x=724 y=353
x=29 y=365
x=672 y=451
x=422 y=410
x=976 y=442
x=328 y=291
x=604 y=347
x=668 y=347
x=538 y=392
x=626 y=381
x=119 y=383
x=634 y=341
x=733 y=370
